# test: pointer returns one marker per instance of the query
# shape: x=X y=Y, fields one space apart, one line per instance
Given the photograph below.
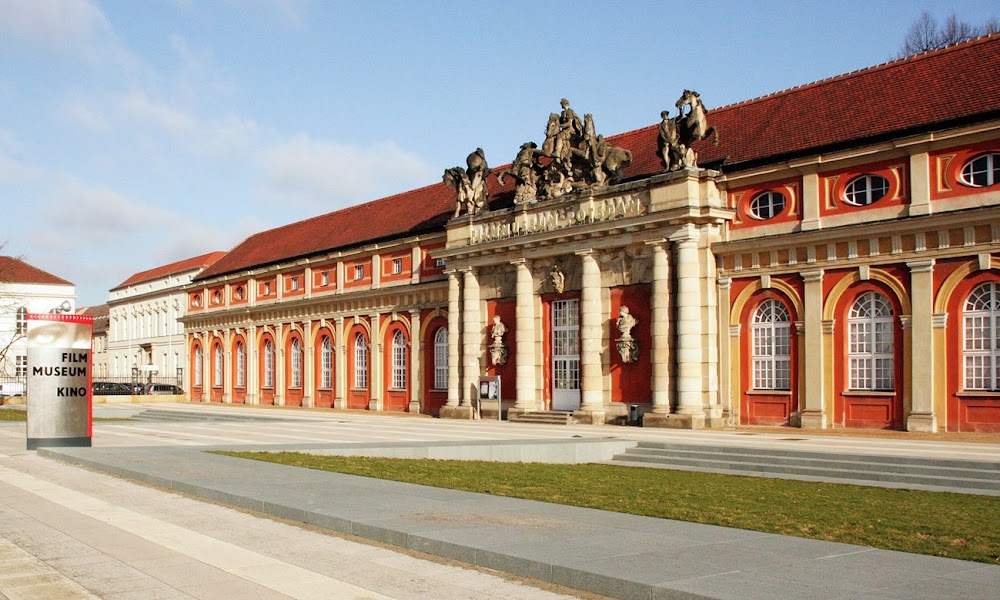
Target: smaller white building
x=145 y=339
x=26 y=289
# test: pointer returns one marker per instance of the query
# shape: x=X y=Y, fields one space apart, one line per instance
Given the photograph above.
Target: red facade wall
x=632 y=383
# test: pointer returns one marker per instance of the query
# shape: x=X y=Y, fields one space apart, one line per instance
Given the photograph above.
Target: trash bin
x=633 y=414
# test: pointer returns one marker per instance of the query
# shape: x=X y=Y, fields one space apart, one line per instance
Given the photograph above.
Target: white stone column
x=814 y=415
x=279 y=364
x=376 y=366
x=454 y=339
x=415 y=367
x=524 y=333
x=340 y=362
x=690 y=329
x=227 y=367
x=725 y=350
x=252 y=355
x=922 y=417
x=660 y=329
x=591 y=322
x=308 y=366
x=471 y=337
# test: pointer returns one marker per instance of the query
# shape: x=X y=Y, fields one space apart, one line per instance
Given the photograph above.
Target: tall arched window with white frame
x=398 y=360
x=326 y=363
x=296 y=363
x=981 y=346
x=199 y=361
x=241 y=365
x=360 y=362
x=441 y=359
x=268 y=364
x=871 y=344
x=771 y=347
x=217 y=371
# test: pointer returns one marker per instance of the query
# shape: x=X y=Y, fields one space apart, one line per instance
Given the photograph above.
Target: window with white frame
x=198 y=364
x=326 y=363
x=767 y=205
x=397 y=266
x=324 y=279
x=241 y=365
x=21 y=366
x=982 y=171
x=360 y=362
x=981 y=349
x=22 y=321
x=866 y=189
x=296 y=363
x=399 y=361
x=441 y=359
x=359 y=272
x=217 y=371
x=268 y=364
x=871 y=344
x=771 y=347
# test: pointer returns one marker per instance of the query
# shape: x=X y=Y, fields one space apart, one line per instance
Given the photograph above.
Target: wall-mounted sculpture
x=558 y=279
x=498 y=349
x=628 y=347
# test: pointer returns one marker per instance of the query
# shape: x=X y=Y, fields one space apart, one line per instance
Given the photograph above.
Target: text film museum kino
x=826 y=256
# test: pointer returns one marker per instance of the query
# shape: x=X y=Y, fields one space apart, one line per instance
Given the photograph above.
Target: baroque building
x=825 y=256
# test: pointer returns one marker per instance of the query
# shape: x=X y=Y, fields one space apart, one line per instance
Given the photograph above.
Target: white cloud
x=139 y=107
x=80 y=114
x=325 y=174
x=58 y=25
x=103 y=212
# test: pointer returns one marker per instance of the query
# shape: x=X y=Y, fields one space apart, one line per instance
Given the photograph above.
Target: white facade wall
x=35 y=298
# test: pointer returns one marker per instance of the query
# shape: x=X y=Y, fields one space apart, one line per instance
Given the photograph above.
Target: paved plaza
x=71 y=532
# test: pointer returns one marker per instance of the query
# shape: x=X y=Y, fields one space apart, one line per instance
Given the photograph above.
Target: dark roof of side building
x=183 y=266
x=927 y=92
x=15 y=270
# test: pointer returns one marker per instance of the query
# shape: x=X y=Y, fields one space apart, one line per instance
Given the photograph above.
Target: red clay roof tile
x=15 y=270
x=189 y=264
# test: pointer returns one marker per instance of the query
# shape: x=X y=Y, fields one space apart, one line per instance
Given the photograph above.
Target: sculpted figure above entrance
x=679 y=133
x=471 y=192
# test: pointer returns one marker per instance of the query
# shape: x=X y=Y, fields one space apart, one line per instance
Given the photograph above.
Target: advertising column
x=59 y=377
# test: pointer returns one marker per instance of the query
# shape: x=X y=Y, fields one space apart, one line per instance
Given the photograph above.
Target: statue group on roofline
x=574 y=156
x=677 y=134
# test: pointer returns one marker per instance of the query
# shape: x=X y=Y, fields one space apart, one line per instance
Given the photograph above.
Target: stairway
x=933 y=474
x=545 y=417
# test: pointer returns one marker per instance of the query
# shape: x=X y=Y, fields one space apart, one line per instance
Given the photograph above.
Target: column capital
x=657 y=243
x=724 y=282
x=813 y=276
x=921 y=266
x=686 y=233
x=521 y=261
x=586 y=252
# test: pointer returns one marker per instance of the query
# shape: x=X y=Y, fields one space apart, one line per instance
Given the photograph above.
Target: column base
x=812 y=419
x=414 y=407
x=673 y=421
x=922 y=422
x=457 y=412
x=339 y=403
x=374 y=404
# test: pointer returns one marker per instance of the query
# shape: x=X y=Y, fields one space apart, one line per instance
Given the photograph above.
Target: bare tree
x=925 y=34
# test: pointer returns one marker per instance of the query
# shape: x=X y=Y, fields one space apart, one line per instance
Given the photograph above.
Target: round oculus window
x=767 y=205
x=865 y=190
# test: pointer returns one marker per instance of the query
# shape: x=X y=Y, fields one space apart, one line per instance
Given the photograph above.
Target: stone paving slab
x=621 y=556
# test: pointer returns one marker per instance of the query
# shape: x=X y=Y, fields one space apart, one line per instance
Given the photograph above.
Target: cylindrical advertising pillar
x=59 y=377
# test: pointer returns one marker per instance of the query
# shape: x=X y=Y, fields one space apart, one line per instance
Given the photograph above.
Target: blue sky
x=135 y=133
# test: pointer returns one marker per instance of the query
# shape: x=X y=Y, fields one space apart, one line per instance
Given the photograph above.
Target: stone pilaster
x=690 y=411
x=814 y=413
x=375 y=370
x=660 y=329
x=340 y=364
x=253 y=371
x=591 y=330
x=308 y=365
x=227 y=368
x=415 y=366
x=922 y=417
x=525 y=356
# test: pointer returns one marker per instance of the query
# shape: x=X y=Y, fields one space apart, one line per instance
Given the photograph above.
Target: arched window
x=217 y=371
x=241 y=365
x=296 y=363
x=360 y=362
x=982 y=171
x=268 y=364
x=22 y=321
x=398 y=360
x=441 y=359
x=981 y=349
x=871 y=344
x=771 y=349
x=199 y=360
x=326 y=360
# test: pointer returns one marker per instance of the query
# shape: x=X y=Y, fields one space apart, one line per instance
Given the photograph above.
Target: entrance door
x=566 y=355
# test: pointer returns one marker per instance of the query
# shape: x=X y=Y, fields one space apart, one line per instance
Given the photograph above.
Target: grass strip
x=14 y=414
x=961 y=526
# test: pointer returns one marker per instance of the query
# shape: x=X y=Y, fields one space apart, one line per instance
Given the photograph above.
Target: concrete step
x=186 y=416
x=935 y=473
x=548 y=417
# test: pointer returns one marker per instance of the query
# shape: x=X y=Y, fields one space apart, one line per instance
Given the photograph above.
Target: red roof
x=925 y=92
x=190 y=264
x=15 y=270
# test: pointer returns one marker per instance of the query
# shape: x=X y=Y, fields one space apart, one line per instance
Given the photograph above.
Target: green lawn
x=937 y=523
